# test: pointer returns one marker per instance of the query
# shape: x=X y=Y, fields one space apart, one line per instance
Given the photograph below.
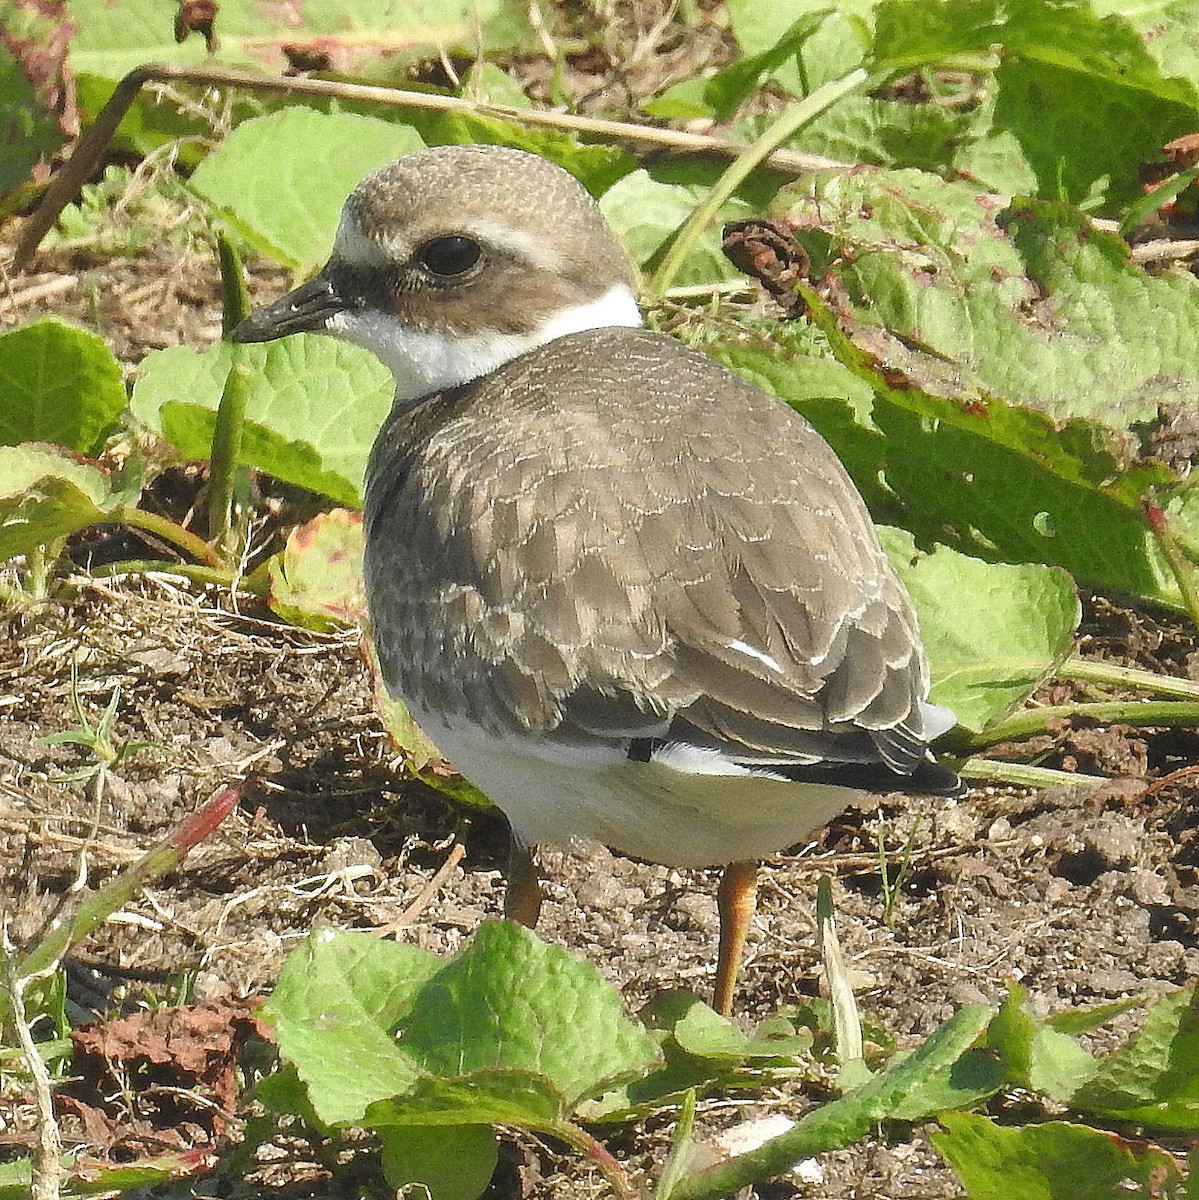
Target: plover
x=633 y=598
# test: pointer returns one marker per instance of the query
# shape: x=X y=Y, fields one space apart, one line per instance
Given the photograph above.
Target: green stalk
x=166 y=529
x=789 y=123
x=1088 y=670
x=600 y=1157
x=1165 y=713
x=995 y=771
x=226 y=479
x=223 y=577
x=98 y=905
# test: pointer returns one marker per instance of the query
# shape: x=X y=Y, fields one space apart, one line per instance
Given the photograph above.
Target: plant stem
x=605 y=1162
x=993 y=770
x=680 y=1148
x=217 y=576
x=225 y=477
x=1089 y=670
x=182 y=539
x=47 y=1169
x=97 y=905
x=1165 y=713
x=787 y=125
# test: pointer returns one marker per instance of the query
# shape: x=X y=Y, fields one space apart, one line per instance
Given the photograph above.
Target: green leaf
x=338 y=998
x=314 y=407
x=975 y=1077
x=1035 y=1055
x=58 y=384
x=1153 y=1080
x=1053 y=1161
x=448 y=1164
x=509 y=1000
x=357 y=36
x=497 y=1096
x=1083 y=1020
x=842 y=1121
x=46 y=494
x=646 y=214
x=993 y=632
x=1029 y=304
x=1005 y=357
x=281 y=180
x=316 y=579
x=833 y=50
x=95 y=1177
x=704 y=1033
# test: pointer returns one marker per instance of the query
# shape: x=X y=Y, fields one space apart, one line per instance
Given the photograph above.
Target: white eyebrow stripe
x=753 y=652
x=521 y=243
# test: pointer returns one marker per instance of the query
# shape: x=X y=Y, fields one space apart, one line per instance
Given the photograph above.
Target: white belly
x=683 y=809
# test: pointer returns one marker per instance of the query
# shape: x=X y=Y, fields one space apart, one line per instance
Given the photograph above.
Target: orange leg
x=522 y=902
x=735 y=902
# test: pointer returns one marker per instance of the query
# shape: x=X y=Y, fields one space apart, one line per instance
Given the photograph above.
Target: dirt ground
x=1080 y=898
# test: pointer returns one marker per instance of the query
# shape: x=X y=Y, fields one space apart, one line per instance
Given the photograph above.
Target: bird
x=632 y=597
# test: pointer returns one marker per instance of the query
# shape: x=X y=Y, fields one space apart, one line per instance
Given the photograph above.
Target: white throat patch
x=424 y=363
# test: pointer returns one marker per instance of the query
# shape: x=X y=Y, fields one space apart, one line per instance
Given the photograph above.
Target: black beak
x=307 y=309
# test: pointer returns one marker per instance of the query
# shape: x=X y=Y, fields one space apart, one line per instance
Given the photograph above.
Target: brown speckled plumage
x=568 y=547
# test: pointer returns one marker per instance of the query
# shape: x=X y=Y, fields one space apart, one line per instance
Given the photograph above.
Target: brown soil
x=1081 y=900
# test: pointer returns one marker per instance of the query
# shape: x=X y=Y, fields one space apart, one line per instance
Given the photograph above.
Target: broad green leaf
x=993 y=631
x=1113 y=47
x=704 y=1033
x=495 y=1096
x=1082 y=91
x=1028 y=304
x=46 y=494
x=1153 y=1080
x=1053 y=1161
x=647 y=213
x=998 y=420
x=316 y=579
x=447 y=1164
x=58 y=384
x=357 y=36
x=511 y=1001
x=1079 y=137
x=314 y=408
x=281 y=180
x=338 y=998
x=1035 y=1055
x=833 y=49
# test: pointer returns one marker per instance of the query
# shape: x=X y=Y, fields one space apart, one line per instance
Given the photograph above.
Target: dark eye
x=449 y=256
